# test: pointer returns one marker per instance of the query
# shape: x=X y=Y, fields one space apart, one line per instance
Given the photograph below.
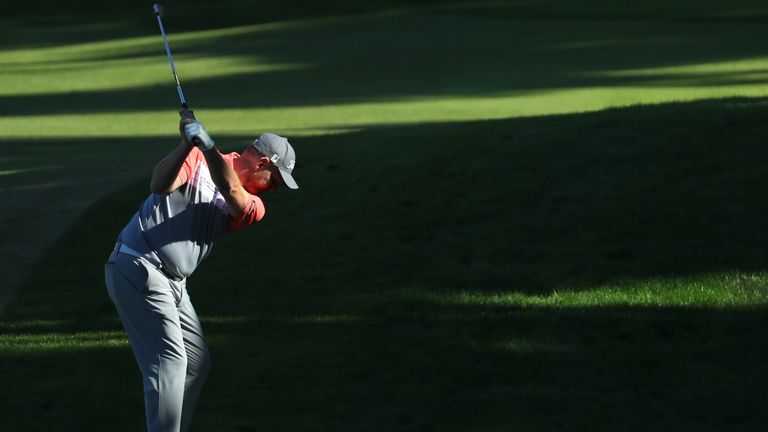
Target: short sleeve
x=254 y=213
x=190 y=163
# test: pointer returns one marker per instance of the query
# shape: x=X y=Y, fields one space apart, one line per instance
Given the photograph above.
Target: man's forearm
x=167 y=170
x=225 y=179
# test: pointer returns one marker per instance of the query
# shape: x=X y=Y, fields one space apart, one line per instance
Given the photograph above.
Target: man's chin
x=255 y=190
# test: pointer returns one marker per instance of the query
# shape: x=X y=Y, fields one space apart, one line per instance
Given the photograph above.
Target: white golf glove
x=197 y=134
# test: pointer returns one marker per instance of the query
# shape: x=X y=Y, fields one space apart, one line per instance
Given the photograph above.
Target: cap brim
x=288 y=179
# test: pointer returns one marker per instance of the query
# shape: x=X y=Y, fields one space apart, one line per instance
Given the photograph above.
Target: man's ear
x=263 y=161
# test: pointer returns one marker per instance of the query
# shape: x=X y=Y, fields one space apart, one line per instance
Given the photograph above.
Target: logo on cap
x=291 y=164
x=275 y=158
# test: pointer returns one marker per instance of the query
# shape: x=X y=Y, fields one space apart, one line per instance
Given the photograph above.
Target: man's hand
x=196 y=133
x=187 y=117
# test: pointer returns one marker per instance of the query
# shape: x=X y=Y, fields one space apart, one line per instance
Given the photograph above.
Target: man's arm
x=167 y=177
x=223 y=176
x=225 y=179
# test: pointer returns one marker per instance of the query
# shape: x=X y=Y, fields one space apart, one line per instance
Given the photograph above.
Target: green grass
x=491 y=233
x=401 y=307
x=307 y=76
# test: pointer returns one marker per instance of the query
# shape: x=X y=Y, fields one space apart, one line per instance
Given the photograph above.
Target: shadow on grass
x=89 y=21
x=418 y=366
x=197 y=14
x=460 y=51
x=312 y=315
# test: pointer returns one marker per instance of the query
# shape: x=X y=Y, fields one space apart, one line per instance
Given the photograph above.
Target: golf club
x=158 y=12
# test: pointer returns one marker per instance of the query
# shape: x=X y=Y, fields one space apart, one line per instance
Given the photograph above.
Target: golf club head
x=158 y=9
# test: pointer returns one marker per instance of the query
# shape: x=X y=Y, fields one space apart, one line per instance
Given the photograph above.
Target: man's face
x=256 y=172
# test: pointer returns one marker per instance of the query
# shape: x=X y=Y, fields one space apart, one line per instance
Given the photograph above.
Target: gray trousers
x=166 y=338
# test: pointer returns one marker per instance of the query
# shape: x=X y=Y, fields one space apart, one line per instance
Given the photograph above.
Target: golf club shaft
x=170 y=58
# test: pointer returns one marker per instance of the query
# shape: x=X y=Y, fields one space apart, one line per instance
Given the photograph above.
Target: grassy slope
x=309 y=76
x=577 y=272
x=599 y=270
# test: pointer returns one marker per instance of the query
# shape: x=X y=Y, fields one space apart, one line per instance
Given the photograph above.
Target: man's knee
x=167 y=373
x=199 y=364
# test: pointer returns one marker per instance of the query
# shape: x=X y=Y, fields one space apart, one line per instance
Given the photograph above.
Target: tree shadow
x=324 y=331
x=422 y=367
x=410 y=366
x=532 y=205
x=529 y=205
x=458 y=51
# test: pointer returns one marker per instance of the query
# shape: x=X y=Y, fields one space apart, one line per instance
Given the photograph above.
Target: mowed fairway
x=491 y=234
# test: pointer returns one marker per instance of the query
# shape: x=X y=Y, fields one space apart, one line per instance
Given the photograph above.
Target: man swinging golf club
x=198 y=195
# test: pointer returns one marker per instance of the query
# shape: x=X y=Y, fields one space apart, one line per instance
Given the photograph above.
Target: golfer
x=198 y=195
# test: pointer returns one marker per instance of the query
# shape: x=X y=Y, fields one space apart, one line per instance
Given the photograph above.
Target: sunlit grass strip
x=42 y=343
x=149 y=44
x=526 y=346
x=27 y=170
x=325 y=319
x=121 y=74
x=757 y=65
x=29 y=325
x=733 y=290
x=227 y=319
x=338 y=118
x=749 y=71
x=302 y=319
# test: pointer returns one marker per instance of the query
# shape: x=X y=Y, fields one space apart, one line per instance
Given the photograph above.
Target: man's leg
x=147 y=307
x=198 y=358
